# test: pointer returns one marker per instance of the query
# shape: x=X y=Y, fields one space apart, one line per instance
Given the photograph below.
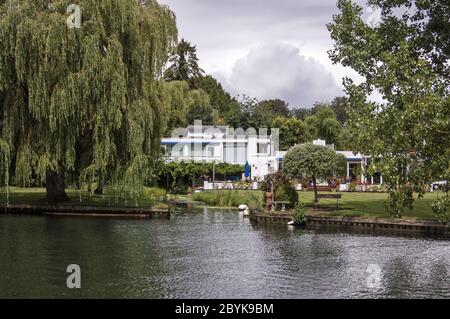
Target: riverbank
x=32 y=201
x=367 y=224
x=351 y=204
x=86 y=211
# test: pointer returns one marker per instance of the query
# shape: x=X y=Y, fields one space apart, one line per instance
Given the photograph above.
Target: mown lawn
x=371 y=205
x=351 y=204
x=37 y=196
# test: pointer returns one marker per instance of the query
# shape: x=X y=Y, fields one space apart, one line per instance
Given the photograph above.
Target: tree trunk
x=315 y=189
x=56 y=188
x=99 y=190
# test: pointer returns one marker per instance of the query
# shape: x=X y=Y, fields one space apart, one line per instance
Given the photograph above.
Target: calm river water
x=213 y=254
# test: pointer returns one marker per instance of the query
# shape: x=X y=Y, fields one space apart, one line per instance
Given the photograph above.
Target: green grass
x=351 y=204
x=230 y=198
x=371 y=205
x=37 y=196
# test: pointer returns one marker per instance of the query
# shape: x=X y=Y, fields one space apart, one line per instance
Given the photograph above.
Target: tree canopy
x=184 y=63
x=292 y=132
x=85 y=101
x=405 y=58
x=313 y=161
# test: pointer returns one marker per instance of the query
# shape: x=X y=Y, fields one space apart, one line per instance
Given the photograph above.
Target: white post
x=348 y=170
x=214 y=174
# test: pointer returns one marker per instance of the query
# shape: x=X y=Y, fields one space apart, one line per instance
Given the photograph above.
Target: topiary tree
x=314 y=161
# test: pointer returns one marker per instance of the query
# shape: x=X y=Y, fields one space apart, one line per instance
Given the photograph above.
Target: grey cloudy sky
x=265 y=48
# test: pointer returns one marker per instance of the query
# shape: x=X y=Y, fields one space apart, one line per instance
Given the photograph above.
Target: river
x=213 y=253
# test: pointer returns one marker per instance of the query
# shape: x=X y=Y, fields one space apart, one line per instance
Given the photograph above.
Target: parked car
x=440 y=185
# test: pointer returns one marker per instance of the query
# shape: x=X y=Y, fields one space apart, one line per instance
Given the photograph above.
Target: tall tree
x=340 y=106
x=405 y=58
x=184 y=64
x=225 y=106
x=323 y=124
x=200 y=108
x=82 y=100
x=292 y=132
x=276 y=106
x=300 y=113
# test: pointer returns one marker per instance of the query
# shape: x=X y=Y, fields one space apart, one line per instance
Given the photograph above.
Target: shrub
x=352 y=186
x=399 y=200
x=154 y=193
x=278 y=179
x=287 y=193
x=440 y=209
x=180 y=188
x=243 y=185
x=299 y=217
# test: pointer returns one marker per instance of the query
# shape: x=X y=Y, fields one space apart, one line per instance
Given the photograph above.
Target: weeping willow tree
x=82 y=102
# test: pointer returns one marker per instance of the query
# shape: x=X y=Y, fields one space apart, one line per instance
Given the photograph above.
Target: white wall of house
x=218 y=145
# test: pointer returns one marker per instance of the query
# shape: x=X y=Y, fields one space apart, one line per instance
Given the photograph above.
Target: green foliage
x=154 y=193
x=287 y=193
x=181 y=174
x=400 y=200
x=184 y=63
x=405 y=58
x=84 y=101
x=276 y=180
x=227 y=108
x=312 y=160
x=340 y=105
x=200 y=108
x=292 y=132
x=440 y=209
x=230 y=198
x=323 y=124
x=352 y=186
x=299 y=217
x=263 y=113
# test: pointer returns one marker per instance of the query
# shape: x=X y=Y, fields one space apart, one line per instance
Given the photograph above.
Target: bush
x=278 y=179
x=243 y=185
x=299 y=217
x=399 y=201
x=287 y=193
x=440 y=209
x=180 y=188
x=154 y=193
x=352 y=186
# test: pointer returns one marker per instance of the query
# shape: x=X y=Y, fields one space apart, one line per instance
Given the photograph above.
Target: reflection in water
x=211 y=254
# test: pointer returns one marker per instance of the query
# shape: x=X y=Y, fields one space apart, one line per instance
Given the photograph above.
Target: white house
x=222 y=144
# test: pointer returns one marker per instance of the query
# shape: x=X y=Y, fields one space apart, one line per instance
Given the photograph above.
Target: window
x=210 y=152
x=262 y=148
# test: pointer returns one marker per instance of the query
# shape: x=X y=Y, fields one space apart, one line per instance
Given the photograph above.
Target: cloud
x=280 y=71
x=228 y=33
